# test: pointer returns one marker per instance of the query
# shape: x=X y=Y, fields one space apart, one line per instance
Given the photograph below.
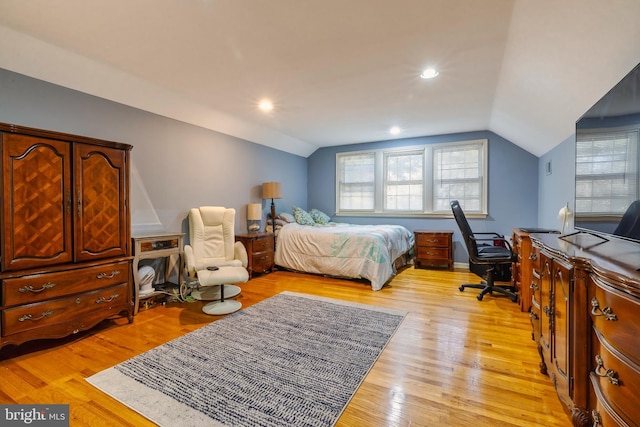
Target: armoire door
x=101 y=192
x=36 y=194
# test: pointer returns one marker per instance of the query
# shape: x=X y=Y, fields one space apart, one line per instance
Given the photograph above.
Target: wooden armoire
x=65 y=261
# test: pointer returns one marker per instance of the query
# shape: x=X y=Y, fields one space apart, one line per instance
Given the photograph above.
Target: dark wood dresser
x=66 y=256
x=586 y=322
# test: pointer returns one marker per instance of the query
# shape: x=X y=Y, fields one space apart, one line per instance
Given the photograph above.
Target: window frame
x=428 y=180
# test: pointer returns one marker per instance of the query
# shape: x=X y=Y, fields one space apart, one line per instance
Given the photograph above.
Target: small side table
x=434 y=248
x=260 y=251
x=156 y=246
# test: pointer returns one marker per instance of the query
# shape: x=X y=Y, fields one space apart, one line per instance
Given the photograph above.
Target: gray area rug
x=290 y=360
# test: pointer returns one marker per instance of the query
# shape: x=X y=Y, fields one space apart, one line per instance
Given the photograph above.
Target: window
x=357 y=181
x=606 y=172
x=404 y=183
x=413 y=180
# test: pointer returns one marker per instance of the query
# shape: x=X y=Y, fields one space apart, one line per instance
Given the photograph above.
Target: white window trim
x=428 y=182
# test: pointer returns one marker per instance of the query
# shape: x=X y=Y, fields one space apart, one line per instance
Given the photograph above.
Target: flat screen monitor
x=607 y=162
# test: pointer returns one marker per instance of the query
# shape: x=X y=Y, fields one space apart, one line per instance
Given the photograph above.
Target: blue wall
x=174 y=165
x=513 y=187
x=557 y=188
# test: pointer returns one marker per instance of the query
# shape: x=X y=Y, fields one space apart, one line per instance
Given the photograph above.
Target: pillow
x=287 y=217
x=302 y=216
x=319 y=217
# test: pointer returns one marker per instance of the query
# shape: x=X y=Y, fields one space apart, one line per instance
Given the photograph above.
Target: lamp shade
x=271 y=190
x=254 y=211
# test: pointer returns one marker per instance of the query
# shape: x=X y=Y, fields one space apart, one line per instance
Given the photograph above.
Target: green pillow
x=302 y=216
x=319 y=217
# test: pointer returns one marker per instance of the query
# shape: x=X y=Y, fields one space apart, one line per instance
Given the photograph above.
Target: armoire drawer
x=60 y=310
x=40 y=287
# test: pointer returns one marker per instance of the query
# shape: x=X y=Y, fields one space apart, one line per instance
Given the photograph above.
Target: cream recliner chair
x=215 y=259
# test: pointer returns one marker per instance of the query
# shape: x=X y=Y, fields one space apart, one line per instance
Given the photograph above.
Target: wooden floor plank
x=453 y=361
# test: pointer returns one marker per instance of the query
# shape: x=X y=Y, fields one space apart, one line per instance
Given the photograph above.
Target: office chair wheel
x=514 y=298
x=461 y=288
x=480 y=297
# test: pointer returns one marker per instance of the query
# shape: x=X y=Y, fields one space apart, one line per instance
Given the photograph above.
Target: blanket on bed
x=344 y=250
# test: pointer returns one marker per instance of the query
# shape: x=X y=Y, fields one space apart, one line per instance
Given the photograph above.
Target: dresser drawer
x=60 y=310
x=615 y=378
x=602 y=414
x=615 y=315
x=40 y=287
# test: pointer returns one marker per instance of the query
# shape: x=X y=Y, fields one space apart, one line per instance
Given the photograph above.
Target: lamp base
x=253 y=226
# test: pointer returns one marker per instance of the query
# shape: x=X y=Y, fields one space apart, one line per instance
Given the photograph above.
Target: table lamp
x=254 y=216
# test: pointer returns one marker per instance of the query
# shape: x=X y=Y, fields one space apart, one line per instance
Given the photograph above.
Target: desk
x=161 y=245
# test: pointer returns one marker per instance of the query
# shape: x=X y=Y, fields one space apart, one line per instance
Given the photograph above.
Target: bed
x=372 y=252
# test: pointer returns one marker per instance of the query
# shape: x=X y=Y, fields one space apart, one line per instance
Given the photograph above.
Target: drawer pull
x=595 y=417
x=533 y=316
x=103 y=299
x=432 y=240
x=534 y=286
x=533 y=256
x=34 y=319
x=114 y=273
x=609 y=373
x=606 y=312
x=44 y=287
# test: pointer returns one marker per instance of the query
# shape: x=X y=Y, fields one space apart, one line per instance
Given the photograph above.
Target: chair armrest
x=496 y=238
x=240 y=253
x=189 y=262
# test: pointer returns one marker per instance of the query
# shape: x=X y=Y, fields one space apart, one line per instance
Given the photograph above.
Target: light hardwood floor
x=454 y=361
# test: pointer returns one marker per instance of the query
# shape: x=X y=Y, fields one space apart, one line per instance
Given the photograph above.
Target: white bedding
x=344 y=250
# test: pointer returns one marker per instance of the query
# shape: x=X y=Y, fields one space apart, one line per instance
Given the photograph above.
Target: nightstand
x=434 y=249
x=260 y=251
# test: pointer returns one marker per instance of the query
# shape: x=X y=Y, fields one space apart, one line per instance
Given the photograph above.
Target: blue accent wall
x=512 y=187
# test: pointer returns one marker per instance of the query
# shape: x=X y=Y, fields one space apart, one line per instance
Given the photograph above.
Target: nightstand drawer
x=425 y=253
x=432 y=240
x=263 y=244
x=262 y=262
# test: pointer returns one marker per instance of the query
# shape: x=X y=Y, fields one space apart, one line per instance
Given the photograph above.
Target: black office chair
x=490 y=249
x=629 y=225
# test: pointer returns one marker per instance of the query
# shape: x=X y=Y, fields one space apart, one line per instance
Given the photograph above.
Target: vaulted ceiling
x=337 y=71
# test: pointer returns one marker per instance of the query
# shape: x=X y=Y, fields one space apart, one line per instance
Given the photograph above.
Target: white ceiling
x=338 y=71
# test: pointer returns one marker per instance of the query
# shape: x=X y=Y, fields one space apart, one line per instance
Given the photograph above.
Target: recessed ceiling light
x=265 y=105
x=429 y=73
x=394 y=130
